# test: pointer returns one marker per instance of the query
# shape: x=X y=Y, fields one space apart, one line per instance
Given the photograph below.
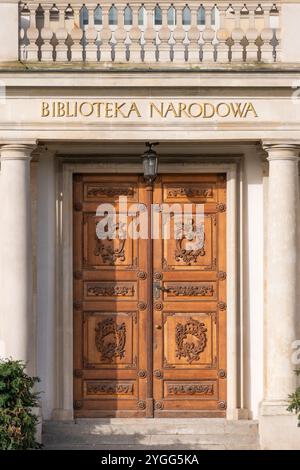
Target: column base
x=237 y=414
x=278 y=428
x=60 y=414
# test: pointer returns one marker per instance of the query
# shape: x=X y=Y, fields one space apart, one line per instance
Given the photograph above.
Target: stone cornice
x=52 y=79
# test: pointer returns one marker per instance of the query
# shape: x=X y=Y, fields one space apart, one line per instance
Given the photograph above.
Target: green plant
x=17 y=399
x=294 y=400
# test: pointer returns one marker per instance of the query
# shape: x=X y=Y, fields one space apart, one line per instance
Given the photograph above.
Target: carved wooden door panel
x=190 y=303
x=112 y=311
x=110 y=289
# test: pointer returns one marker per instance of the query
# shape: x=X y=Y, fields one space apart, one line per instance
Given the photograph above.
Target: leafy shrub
x=17 y=420
x=294 y=400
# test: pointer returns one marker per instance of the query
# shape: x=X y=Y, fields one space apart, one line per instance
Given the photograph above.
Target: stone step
x=135 y=447
x=153 y=426
x=120 y=433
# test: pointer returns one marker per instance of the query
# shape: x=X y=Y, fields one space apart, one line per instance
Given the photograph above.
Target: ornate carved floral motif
x=105 y=247
x=192 y=290
x=190 y=192
x=194 y=247
x=110 y=291
x=185 y=347
x=190 y=389
x=98 y=191
x=110 y=339
x=98 y=388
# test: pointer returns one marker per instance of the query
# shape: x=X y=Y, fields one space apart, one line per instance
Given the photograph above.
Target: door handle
x=164 y=289
x=157 y=287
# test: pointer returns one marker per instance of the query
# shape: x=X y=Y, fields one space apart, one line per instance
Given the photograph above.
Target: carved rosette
x=158 y=374
x=142 y=305
x=222 y=405
x=157 y=276
x=141 y=405
x=142 y=374
x=158 y=306
x=186 y=348
x=110 y=339
x=221 y=207
x=142 y=275
x=221 y=275
x=222 y=374
x=78 y=373
x=158 y=405
x=222 y=305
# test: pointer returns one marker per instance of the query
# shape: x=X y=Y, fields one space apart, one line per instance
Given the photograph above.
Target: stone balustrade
x=163 y=33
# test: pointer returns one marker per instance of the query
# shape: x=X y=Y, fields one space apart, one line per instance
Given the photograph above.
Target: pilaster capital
x=16 y=151
x=282 y=150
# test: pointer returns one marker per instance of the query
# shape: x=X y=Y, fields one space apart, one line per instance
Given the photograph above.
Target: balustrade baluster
x=61 y=36
x=237 y=36
x=47 y=35
x=135 y=37
x=164 y=35
x=32 y=35
x=105 y=37
x=193 y=37
x=251 y=35
x=149 y=36
x=76 y=35
x=120 y=36
x=178 y=36
x=222 y=37
x=91 y=36
x=208 y=37
x=266 y=36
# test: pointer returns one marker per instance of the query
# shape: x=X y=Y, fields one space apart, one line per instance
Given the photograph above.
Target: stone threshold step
x=151 y=427
x=144 y=439
x=135 y=447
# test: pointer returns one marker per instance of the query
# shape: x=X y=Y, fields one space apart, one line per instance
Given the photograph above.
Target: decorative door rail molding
x=161 y=33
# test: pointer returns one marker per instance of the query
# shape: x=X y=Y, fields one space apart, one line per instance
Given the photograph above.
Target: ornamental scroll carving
x=190 y=340
x=194 y=246
x=98 y=191
x=110 y=339
x=98 y=388
x=190 y=389
x=192 y=290
x=190 y=192
x=105 y=246
x=110 y=291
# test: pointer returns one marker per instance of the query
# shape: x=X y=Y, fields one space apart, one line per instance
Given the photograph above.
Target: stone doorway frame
x=64 y=328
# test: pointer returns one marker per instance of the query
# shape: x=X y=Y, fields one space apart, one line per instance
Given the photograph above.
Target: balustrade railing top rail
x=149 y=33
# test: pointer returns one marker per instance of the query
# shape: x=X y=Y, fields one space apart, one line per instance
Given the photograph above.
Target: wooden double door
x=149 y=314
